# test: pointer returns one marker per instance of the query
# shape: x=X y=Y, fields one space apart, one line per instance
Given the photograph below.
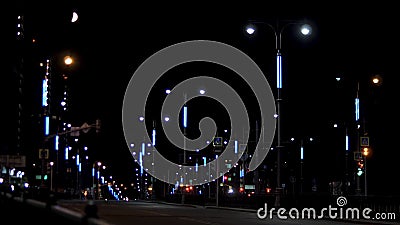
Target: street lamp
x=302 y=140
x=51 y=175
x=68 y=60
x=278 y=30
x=363 y=145
x=94 y=173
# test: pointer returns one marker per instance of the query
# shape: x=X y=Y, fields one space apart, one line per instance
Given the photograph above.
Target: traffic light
x=365 y=151
x=360 y=168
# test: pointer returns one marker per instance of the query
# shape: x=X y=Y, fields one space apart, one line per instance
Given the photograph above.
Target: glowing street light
x=278 y=30
x=51 y=175
x=68 y=60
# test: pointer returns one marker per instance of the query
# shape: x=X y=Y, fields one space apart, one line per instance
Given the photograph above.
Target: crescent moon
x=74 y=17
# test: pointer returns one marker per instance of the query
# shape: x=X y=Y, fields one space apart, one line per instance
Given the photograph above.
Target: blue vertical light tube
x=44 y=92
x=302 y=152
x=347 y=141
x=141 y=158
x=66 y=153
x=56 y=142
x=47 y=125
x=236 y=146
x=357 y=105
x=185 y=116
x=279 y=70
x=154 y=137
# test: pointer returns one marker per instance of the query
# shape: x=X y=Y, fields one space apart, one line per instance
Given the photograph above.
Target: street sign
x=364 y=141
x=217 y=142
x=43 y=153
x=358 y=156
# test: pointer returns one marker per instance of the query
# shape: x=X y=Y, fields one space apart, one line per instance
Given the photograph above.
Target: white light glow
x=250 y=30
x=74 y=17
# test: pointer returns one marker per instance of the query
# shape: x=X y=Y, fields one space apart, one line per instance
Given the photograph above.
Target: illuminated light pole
x=365 y=154
x=301 y=166
x=184 y=123
x=363 y=141
x=302 y=160
x=347 y=149
x=278 y=30
x=93 y=175
x=98 y=180
x=51 y=175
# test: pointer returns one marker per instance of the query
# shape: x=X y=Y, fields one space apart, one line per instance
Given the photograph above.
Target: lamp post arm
x=281 y=31
x=70 y=131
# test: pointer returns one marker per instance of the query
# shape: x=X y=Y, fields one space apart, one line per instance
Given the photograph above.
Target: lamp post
x=94 y=173
x=184 y=123
x=363 y=145
x=278 y=30
x=302 y=142
x=51 y=175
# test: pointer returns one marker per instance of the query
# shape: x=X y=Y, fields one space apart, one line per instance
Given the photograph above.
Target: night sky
x=110 y=41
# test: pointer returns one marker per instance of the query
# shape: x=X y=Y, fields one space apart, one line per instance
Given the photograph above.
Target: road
x=148 y=213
